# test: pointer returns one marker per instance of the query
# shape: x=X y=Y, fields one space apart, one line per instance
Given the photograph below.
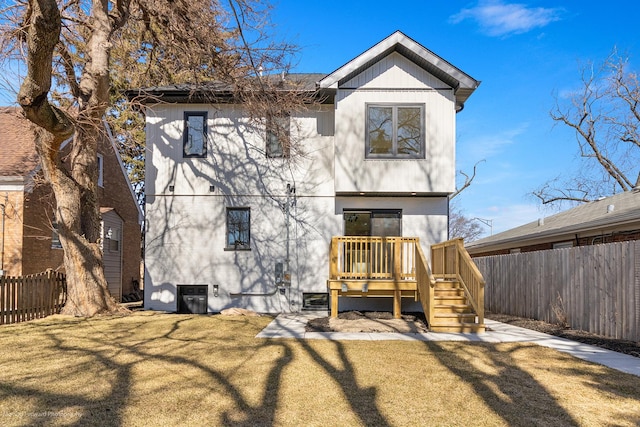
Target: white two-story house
x=234 y=220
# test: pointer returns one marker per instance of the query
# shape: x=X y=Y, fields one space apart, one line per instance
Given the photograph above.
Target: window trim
x=235 y=246
x=100 y=165
x=55 y=235
x=285 y=152
x=394 y=143
x=185 y=133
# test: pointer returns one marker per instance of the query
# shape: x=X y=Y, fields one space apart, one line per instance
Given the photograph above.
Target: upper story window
x=238 y=228
x=100 y=165
x=194 y=140
x=278 y=136
x=395 y=131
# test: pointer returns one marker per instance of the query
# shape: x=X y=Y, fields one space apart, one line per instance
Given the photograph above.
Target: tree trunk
x=74 y=184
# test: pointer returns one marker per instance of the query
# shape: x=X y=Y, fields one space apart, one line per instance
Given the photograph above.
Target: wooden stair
x=452 y=310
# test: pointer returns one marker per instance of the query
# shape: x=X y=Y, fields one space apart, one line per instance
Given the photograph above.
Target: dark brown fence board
x=31 y=297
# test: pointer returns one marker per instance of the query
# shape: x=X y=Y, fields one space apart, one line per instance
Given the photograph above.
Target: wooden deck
x=373 y=267
x=396 y=267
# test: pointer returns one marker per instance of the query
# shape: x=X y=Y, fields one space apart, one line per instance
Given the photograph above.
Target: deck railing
x=450 y=260
x=426 y=285
x=390 y=258
x=388 y=266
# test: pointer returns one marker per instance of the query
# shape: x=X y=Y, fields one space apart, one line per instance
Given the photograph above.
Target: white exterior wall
x=186 y=226
x=395 y=80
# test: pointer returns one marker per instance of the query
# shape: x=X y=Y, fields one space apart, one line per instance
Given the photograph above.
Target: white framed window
x=100 y=164
x=562 y=245
x=55 y=236
x=395 y=131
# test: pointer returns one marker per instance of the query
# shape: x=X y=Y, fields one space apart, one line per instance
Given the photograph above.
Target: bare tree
x=81 y=54
x=459 y=224
x=605 y=115
x=462 y=226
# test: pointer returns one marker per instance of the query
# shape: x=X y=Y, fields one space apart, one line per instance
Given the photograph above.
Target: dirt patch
x=621 y=346
x=371 y=321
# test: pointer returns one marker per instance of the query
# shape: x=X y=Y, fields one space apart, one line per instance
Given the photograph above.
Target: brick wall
x=38 y=230
x=38 y=216
x=14 y=211
x=617 y=236
x=115 y=193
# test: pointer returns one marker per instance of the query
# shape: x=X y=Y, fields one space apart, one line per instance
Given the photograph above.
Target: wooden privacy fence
x=591 y=288
x=31 y=297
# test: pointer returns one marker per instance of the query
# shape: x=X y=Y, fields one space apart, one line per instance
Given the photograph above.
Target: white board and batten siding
x=187 y=198
x=395 y=79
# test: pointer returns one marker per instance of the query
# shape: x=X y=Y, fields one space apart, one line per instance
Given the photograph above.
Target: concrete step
x=457 y=327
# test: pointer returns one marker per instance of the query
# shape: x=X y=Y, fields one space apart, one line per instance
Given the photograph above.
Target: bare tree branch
x=605 y=118
x=467 y=180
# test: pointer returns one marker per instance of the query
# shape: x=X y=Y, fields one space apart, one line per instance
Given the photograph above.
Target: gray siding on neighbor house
x=112 y=252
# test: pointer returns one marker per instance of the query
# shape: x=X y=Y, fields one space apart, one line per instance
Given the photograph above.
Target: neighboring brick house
x=28 y=240
x=610 y=219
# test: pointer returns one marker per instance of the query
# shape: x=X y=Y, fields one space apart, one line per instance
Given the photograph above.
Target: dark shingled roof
x=219 y=91
x=614 y=211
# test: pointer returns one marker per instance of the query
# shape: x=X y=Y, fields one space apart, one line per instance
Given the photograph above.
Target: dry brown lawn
x=154 y=369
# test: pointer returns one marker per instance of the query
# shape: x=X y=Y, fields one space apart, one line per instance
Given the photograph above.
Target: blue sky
x=524 y=52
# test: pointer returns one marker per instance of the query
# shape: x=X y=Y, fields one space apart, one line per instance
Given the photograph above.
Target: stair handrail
x=451 y=260
x=426 y=292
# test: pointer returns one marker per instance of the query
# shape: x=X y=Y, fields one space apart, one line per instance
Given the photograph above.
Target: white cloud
x=497 y=18
x=489 y=145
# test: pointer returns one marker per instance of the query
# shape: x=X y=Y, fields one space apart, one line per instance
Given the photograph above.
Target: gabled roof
x=322 y=85
x=462 y=83
x=18 y=157
x=618 y=212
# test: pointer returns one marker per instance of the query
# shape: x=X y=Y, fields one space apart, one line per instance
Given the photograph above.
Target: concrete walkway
x=292 y=325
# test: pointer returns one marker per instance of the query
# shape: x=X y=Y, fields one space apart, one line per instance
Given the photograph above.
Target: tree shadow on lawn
x=191 y=349
x=113 y=355
x=513 y=394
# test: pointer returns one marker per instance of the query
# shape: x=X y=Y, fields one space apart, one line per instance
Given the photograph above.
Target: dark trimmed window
x=395 y=131
x=238 y=228
x=194 y=139
x=278 y=136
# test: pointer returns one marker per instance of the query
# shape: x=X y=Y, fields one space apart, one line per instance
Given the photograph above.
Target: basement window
x=315 y=301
